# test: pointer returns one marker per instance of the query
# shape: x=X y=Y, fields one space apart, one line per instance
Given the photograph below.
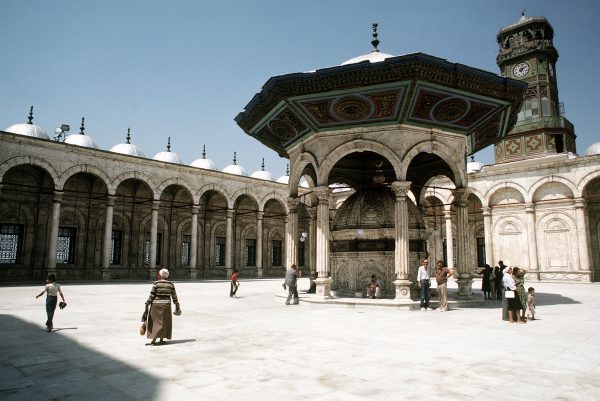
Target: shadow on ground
x=36 y=365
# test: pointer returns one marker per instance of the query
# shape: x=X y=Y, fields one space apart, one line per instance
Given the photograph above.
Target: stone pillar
x=462 y=242
x=449 y=240
x=312 y=242
x=259 y=243
x=53 y=241
x=531 y=238
x=153 y=237
x=487 y=228
x=194 y=243
x=323 y=280
x=229 y=243
x=107 y=240
x=401 y=237
x=582 y=236
x=291 y=233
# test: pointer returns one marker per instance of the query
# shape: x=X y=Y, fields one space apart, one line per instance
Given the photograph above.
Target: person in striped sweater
x=159 y=321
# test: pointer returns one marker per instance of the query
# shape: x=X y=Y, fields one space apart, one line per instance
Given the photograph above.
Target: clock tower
x=527 y=53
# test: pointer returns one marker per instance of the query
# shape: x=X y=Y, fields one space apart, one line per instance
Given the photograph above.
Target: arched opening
x=591 y=194
x=246 y=229
x=274 y=218
x=214 y=216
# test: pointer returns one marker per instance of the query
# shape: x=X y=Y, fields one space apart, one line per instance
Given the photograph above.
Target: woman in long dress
x=514 y=303
x=519 y=277
x=486 y=288
x=160 y=320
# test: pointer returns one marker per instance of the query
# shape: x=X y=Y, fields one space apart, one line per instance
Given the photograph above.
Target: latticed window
x=301 y=253
x=185 y=250
x=147 y=249
x=276 y=253
x=116 y=243
x=220 y=251
x=250 y=253
x=65 y=248
x=481 y=252
x=11 y=243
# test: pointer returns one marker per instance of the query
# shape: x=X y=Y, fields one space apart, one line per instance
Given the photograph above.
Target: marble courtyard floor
x=255 y=348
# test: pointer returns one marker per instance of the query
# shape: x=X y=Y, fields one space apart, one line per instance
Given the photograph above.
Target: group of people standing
x=442 y=274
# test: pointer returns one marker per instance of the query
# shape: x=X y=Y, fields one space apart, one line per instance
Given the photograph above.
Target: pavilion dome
x=128 y=148
x=284 y=179
x=474 y=167
x=28 y=128
x=168 y=156
x=369 y=209
x=81 y=139
x=593 y=149
x=262 y=174
x=375 y=56
x=204 y=163
x=235 y=168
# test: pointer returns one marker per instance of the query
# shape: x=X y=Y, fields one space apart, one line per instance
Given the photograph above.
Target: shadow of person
x=65 y=328
x=173 y=342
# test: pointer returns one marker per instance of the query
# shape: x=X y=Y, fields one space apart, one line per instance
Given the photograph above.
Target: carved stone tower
x=527 y=53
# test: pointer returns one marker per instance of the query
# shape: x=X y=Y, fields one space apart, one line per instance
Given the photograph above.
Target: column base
x=402 y=290
x=152 y=273
x=465 y=284
x=52 y=271
x=259 y=272
x=106 y=274
x=323 y=290
x=229 y=272
x=193 y=274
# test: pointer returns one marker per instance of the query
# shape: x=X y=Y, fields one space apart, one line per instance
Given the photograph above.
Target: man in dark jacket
x=291 y=280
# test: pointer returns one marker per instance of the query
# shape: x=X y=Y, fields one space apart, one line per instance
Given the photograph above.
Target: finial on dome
x=169 y=144
x=523 y=18
x=128 y=139
x=204 y=151
x=30 y=116
x=472 y=158
x=375 y=41
x=82 y=128
x=263 y=164
x=234 y=158
x=287 y=169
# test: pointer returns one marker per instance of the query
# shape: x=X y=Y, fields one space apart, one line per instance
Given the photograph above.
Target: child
x=531 y=303
x=52 y=289
x=234 y=284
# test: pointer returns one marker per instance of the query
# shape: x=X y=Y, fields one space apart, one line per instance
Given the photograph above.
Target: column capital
x=312 y=213
x=230 y=213
x=110 y=200
x=57 y=197
x=322 y=194
x=579 y=203
x=155 y=204
x=195 y=209
x=401 y=189
x=461 y=196
x=447 y=214
x=293 y=204
x=486 y=210
x=260 y=215
x=529 y=207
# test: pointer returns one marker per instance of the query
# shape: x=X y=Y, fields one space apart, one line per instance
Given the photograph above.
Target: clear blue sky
x=185 y=68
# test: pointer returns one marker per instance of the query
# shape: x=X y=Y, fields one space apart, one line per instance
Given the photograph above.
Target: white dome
x=81 y=140
x=128 y=149
x=373 y=57
x=167 y=156
x=27 y=129
x=474 y=167
x=594 y=149
x=206 y=164
x=235 y=169
x=303 y=182
x=262 y=175
x=284 y=179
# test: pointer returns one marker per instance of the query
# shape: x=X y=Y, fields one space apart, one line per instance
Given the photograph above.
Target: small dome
x=234 y=168
x=368 y=209
x=373 y=57
x=81 y=139
x=474 y=167
x=593 y=149
x=128 y=148
x=303 y=183
x=168 y=156
x=284 y=179
x=28 y=129
x=204 y=163
x=262 y=174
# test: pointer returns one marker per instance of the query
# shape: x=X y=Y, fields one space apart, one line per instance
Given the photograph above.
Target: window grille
x=65 y=248
x=250 y=253
x=276 y=253
x=220 y=251
x=11 y=243
x=115 y=247
x=147 y=249
x=185 y=250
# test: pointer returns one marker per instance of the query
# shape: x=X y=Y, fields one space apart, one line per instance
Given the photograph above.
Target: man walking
x=424 y=283
x=442 y=274
x=291 y=280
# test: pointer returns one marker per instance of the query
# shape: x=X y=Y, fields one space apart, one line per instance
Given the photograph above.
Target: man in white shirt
x=424 y=283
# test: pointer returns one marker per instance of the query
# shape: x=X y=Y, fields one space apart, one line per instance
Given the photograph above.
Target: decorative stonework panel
x=283 y=127
x=533 y=143
x=512 y=147
x=350 y=272
x=558 y=245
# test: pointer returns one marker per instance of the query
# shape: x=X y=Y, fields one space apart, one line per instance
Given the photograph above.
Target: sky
x=185 y=68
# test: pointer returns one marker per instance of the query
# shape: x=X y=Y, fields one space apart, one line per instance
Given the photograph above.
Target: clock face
x=520 y=70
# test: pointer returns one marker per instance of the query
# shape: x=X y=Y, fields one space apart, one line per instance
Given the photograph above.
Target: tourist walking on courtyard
x=234 y=284
x=519 y=277
x=513 y=301
x=52 y=289
x=442 y=274
x=291 y=281
x=160 y=320
x=423 y=280
x=486 y=288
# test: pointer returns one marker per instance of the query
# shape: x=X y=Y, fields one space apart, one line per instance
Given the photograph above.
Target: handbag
x=509 y=294
x=143 y=329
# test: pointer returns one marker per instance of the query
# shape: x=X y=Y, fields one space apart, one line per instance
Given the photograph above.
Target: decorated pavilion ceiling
x=416 y=89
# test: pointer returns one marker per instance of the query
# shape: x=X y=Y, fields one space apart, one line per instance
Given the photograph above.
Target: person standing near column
x=424 y=283
x=291 y=280
x=52 y=289
x=442 y=274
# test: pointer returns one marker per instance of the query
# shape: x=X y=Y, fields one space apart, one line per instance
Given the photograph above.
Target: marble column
x=312 y=242
x=449 y=239
x=194 y=243
x=582 y=237
x=462 y=242
x=323 y=281
x=487 y=228
x=291 y=233
x=107 y=240
x=53 y=240
x=229 y=243
x=401 y=238
x=259 y=243
x=153 y=238
x=531 y=239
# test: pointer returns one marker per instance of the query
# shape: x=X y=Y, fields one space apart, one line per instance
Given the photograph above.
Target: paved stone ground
x=256 y=348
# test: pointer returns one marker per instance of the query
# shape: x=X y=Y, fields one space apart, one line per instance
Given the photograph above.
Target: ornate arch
x=242 y=191
x=586 y=180
x=221 y=190
x=30 y=160
x=275 y=196
x=440 y=150
x=575 y=191
x=298 y=166
x=506 y=184
x=138 y=175
x=84 y=168
x=173 y=181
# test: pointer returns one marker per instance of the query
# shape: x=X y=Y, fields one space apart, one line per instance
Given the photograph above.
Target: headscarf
x=164 y=273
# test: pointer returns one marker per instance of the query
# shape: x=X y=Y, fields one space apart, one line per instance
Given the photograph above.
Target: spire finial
x=204 y=151
x=169 y=144
x=30 y=116
x=375 y=41
x=472 y=158
x=523 y=12
x=263 y=164
x=234 y=158
x=287 y=169
x=82 y=128
x=128 y=135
